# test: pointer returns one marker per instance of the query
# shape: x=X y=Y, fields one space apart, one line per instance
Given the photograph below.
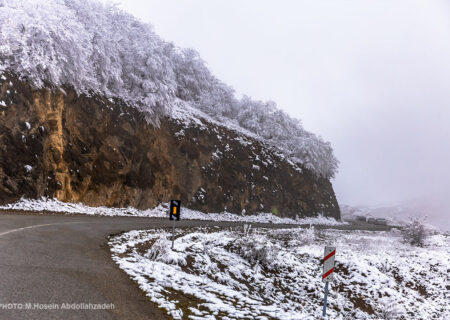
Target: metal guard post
x=173 y=232
x=325 y=299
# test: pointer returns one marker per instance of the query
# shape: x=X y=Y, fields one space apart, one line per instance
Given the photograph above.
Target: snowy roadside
x=161 y=211
x=276 y=274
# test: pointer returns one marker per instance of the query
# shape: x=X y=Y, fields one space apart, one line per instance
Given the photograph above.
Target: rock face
x=99 y=152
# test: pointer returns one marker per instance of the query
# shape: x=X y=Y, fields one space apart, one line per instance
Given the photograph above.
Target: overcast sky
x=372 y=77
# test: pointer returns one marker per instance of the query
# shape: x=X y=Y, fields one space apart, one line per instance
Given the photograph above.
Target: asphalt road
x=47 y=261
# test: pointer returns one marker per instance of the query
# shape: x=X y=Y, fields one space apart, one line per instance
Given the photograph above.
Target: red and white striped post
x=328 y=270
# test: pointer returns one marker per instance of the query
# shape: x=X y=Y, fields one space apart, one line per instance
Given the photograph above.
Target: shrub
x=159 y=249
x=275 y=211
x=247 y=229
x=299 y=236
x=389 y=308
x=257 y=249
x=308 y=236
x=414 y=232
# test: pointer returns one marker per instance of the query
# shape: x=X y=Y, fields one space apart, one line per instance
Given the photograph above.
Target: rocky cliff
x=97 y=151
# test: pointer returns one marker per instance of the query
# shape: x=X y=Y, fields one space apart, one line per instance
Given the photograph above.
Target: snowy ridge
x=276 y=274
x=99 y=49
x=188 y=116
x=161 y=211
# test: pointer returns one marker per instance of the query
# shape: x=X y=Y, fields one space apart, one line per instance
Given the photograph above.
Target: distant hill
x=432 y=211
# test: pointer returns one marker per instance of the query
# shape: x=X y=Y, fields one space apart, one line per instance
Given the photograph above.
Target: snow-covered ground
x=276 y=274
x=161 y=211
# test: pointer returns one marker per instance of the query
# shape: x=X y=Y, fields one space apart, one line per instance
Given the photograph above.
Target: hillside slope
x=60 y=144
x=277 y=274
x=97 y=48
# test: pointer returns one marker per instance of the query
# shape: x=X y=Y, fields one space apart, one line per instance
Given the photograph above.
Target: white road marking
x=36 y=226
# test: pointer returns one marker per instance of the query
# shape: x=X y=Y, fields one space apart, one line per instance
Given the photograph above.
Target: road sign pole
x=174 y=213
x=173 y=232
x=325 y=300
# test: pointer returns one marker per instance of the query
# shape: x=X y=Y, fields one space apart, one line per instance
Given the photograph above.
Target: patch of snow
x=161 y=211
x=201 y=194
x=243 y=141
x=217 y=155
x=179 y=133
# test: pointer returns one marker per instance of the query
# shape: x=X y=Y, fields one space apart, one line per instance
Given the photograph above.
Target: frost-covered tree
x=414 y=232
x=99 y=49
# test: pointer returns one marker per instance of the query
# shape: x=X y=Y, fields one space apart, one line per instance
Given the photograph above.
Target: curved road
x=56 y=259
x=49 y=260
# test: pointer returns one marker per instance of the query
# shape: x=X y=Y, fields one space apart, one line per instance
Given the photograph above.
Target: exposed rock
x=92 y=150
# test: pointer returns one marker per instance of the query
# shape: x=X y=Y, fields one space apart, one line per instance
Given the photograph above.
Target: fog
x=372 y=77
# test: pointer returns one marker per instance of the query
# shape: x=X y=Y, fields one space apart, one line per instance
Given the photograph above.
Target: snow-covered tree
x=414 y=232
x=98 y=48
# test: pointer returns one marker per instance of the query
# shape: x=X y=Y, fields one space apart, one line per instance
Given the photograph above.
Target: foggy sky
x=372 y=77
